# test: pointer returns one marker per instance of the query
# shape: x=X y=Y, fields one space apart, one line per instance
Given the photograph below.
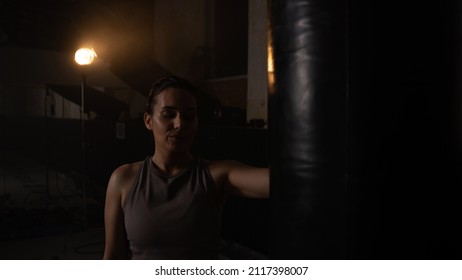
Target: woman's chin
x=179 y=147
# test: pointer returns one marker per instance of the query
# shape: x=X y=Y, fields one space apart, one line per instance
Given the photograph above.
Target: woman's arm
x=241 y=179
x=116 y=246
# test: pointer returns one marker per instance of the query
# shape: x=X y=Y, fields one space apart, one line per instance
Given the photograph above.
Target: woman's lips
x=177 y=137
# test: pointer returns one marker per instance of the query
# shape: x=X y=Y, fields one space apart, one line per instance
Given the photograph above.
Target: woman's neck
x=171 y=163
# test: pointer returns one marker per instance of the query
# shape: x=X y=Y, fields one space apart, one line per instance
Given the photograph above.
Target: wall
x=179 y=31
x=19 y=100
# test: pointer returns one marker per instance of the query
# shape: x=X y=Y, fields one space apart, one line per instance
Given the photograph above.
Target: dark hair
x=165 y=83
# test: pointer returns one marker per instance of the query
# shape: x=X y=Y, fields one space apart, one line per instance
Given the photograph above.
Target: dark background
x=404 y=156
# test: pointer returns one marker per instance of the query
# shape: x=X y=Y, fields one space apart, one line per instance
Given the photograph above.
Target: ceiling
x=64 y=24
x=122 y=40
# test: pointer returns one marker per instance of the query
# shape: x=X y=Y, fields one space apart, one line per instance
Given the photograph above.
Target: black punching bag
x=308 y=128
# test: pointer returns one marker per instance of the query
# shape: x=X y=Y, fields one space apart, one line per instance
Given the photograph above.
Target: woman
x=169 y=205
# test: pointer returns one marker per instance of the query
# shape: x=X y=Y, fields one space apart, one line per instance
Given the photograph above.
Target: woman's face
x=174 y=120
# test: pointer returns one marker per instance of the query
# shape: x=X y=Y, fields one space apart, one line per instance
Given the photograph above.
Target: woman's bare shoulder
x=123 y=176
x=127 y=170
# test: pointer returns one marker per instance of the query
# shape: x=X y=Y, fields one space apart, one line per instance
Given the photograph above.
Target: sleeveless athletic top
x=173 y=217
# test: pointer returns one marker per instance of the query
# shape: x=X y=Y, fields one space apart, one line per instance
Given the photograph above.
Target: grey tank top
x=173 y=217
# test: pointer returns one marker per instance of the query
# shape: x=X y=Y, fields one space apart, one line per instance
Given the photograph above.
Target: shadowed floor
x=84 y=245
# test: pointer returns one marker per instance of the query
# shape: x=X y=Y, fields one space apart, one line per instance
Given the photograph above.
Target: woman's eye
x=189 y=116
x=169 y=114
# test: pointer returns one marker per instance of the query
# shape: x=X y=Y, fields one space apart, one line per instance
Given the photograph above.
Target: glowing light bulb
x=85 y=56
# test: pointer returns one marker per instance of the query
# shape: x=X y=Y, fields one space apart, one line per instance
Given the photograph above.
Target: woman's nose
x=178 y=122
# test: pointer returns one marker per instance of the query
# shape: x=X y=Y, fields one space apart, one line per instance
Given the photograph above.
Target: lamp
x=84 y=57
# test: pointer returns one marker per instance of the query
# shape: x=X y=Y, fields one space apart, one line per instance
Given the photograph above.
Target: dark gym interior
x=383 y=178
